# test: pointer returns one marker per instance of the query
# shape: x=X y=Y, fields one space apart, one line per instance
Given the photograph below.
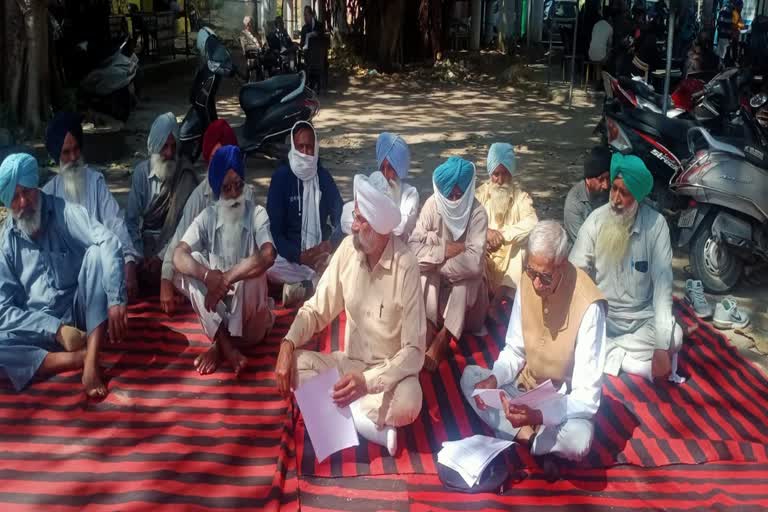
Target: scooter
x=109 y=87
x=725 y=224
x=271 y=107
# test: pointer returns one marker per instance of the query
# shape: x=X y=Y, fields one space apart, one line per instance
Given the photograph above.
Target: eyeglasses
x=546 y=278
x=233 y=188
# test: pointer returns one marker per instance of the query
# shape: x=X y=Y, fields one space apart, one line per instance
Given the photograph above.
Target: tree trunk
x=391 y=21
x=431 y=24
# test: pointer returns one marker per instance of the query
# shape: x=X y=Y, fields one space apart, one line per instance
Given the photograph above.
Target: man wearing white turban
x=449 y=242
x=159 y=190
x=511 y=218
x=374 y=279
x=393 y=159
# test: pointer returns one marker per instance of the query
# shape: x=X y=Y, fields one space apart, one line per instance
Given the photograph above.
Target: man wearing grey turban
x=160 y=188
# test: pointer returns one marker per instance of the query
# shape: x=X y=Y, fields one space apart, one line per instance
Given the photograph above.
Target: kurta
x=455 y=290
x=515 y=221
x=385 y=328
x=145 y=187
x=638 y=290
x=101 y=206
x=69 y=275
x=246 y=310
x=578 y=205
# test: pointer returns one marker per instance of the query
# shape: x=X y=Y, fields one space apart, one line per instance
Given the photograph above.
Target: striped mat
x=165 y=439
x=718 y=415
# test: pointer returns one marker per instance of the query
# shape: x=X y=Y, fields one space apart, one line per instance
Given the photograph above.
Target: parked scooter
x=271 y=107
x=726 y=187
x=109 y=87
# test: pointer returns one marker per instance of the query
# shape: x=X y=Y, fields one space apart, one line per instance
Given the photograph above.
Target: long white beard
x=613 y=239
x=231 y=213
x=30 y=224
x=73 y=177
x=499 y=201
x=396 y=189
x=163 y=169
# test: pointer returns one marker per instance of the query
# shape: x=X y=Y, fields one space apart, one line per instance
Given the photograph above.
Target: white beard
x=231 y=212
x=499 y=200
x=30 y=225
x=73 y=177
x=163 y=169
x=613 y=239
x=396 y=189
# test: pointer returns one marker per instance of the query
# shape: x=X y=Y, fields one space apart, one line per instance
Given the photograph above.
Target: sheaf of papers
x=330 y=427
x=535 y=398
x=469 y=457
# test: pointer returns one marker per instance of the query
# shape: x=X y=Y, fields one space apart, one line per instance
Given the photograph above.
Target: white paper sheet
x=470 y=456
x=539 y=395
x=330 y=428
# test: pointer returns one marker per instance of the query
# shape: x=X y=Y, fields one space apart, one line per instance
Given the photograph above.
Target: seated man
x=304 y=207
x=394 y=160
x=449 y=243
x=555 y=333
x=374 y=279
x=218 y=134
x=159 y=190
x=510 y=218
x=589 y=193
x=312 y=27
x=79 y=184
x=248 y=40
x=625 y=246
x=222 y=261
x=61 y=272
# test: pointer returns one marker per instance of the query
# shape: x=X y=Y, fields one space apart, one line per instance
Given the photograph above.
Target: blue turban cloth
x=394 y=149
x=635 y=174
x=225 y=158
x=62 y=124
x=163 y=126
x=17 y=169
x=501 y=153
x=452 y=172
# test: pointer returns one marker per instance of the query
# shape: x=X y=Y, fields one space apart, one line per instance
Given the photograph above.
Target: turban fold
x=226 y=158
x=17 y=169
x=598 y=162
x=635 y=174
x=393 y=148
x=501 y=153
x=62 y=124
x=375 y=202
x=452 y=172
x=163 y=126
x=218 y=132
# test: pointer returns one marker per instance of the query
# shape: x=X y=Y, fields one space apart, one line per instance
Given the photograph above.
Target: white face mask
x=303 y=166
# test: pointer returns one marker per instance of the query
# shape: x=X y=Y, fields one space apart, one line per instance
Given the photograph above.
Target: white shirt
x=409 y=212
x=589 y=359
x=600 y=44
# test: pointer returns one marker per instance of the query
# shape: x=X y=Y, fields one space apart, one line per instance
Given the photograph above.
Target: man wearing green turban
x=625 y=247
x=449 y=242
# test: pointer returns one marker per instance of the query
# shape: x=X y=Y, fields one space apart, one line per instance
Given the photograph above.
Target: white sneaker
x=694 y=295
x=293 y=294
x=729 y=316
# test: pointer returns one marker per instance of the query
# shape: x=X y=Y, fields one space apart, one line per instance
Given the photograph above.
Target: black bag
x=492 y=479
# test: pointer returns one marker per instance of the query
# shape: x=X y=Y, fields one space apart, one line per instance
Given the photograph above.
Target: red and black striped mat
x=718 y=415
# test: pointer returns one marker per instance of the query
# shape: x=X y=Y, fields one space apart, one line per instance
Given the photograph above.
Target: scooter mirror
x=758 y=100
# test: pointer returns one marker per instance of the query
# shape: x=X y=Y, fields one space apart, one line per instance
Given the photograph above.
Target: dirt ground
x=437 y=119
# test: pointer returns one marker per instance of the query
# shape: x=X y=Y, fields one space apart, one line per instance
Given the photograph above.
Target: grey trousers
x=570 y=440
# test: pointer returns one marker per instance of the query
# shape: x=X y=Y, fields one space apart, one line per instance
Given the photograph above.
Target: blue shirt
x=38 y=278
x=283 y=207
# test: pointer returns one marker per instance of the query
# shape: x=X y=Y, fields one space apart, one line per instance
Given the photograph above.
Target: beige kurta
x=455 y=290
x=514 y=222
x=385 y=328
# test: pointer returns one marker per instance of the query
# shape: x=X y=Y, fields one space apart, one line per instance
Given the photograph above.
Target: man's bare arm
x=253 y=266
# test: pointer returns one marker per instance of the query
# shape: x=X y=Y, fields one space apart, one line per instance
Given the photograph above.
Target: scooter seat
x=675 y=129
x=259 y=94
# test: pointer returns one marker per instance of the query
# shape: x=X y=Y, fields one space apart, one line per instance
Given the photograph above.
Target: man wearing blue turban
x=61 y=283
x=449 y=241
x=510 y=218
x=160 y=187
x=221 y=264
x=625 y=247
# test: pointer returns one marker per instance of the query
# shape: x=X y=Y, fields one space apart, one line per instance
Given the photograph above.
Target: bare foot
x=437 y=351
x=209 y=361
x=236 y=359
x=92 y=383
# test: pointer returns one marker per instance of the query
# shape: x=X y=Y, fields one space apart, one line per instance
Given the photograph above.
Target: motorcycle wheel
x=713 y=262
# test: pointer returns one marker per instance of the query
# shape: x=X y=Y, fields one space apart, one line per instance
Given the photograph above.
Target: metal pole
x=573 y=58
x=667 y=75
x=549 y=52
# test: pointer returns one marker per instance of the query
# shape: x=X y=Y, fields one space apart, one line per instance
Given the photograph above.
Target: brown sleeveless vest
x=550 y=327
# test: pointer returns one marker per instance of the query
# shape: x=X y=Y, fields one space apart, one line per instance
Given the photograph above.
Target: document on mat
x=330 y=427
x=542 y=393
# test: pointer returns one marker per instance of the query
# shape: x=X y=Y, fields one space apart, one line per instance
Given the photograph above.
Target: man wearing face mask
x=394 y=160
x=221 y=265
x=80 y=184
x=304 y=207
x=449 y=241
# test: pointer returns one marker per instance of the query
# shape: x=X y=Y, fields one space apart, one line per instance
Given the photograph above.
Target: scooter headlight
x=758 y=100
